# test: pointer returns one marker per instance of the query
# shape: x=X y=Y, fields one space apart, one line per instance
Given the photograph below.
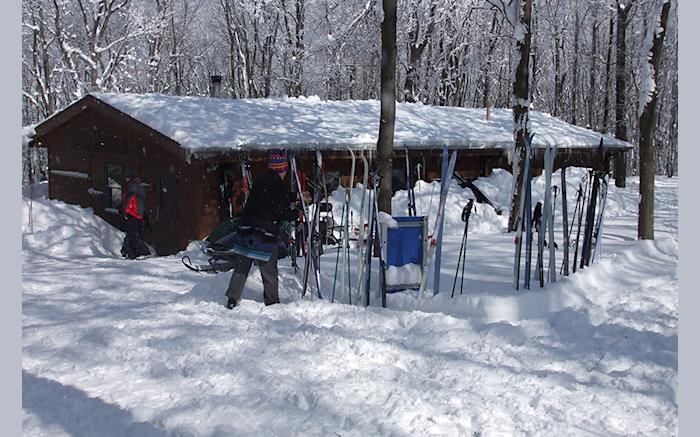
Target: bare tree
x=623 y=9
x=592 y=92
x=417 y=42
x=608 y=66
x=40 y=68
x=294 y=24
x=647 y=124
x=575 y=67
x=385 y=144
x=518 y=13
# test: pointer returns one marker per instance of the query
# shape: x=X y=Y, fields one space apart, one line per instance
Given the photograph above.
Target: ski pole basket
x=405 y=249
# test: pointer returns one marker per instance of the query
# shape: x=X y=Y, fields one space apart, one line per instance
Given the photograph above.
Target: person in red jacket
x=133 y=211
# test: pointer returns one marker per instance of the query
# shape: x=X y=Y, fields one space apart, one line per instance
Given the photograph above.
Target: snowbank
x=498 y=188
x=483 y=220
x=36 y=190
x=59 y=229
x=594 y=354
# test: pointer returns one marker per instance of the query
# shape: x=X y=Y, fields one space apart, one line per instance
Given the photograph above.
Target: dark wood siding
x=90 y=141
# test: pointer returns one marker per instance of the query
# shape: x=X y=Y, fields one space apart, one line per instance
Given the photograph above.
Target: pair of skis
x=435 y=250
x=310 y=232
x=525 y=221
x=344 y=246
x=599 y=223
x=594 y=218
x=548 y=217
x=361 y=236
x=374 y=238
x=591 y=198
x=565 y=222
x=581 y=202
x=542 y=218
x=409 y=187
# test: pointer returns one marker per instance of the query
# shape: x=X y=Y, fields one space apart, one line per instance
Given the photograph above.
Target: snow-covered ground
x=119 y=347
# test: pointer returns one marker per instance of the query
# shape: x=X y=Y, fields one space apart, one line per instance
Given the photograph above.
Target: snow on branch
x=647 y=84
x=510 y=10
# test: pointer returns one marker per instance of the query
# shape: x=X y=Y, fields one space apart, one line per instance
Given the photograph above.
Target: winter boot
x=231 y=303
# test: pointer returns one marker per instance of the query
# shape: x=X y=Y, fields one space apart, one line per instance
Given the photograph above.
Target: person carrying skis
x=268 y=204
x=133 y=212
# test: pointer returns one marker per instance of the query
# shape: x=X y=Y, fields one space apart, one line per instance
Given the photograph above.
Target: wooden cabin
x=186 y=150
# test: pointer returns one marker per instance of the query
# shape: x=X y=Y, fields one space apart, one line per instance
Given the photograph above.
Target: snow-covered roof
x=201 y=124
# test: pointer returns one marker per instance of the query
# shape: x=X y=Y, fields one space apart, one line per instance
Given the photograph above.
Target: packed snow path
x=118 y=347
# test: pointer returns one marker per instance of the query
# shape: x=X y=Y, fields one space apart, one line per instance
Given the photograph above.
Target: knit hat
x=276 y=161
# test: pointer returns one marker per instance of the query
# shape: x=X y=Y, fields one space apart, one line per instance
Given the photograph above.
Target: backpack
x=251 y=242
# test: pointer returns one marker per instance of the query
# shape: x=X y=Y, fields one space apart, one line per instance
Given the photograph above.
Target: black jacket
x=268 y=204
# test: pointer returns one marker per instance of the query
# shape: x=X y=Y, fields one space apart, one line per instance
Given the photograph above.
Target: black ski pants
x=134 y=245
x=268 y=271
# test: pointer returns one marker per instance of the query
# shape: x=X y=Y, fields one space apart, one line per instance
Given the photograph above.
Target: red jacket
x=132 y=199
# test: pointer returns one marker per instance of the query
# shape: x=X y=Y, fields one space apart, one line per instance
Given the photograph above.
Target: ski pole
x=580 y=219
x=348 y=222
x=378 y=236
x=578 y=202
x=418 y=179
x=337 y=256
x=459 y=258
x=466 y=212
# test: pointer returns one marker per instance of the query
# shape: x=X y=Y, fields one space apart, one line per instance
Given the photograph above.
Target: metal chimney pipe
x=215 y=85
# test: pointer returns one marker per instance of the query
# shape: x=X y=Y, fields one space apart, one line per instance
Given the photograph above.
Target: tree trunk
x=520 y=113
x=574 y=86
x=647 y=128
x=673 y=137
x=298 y=52
x=385 y=144
x=486 y=75
x=620 y=92
x=608 y=64
x=559 y=77
x=592 y=92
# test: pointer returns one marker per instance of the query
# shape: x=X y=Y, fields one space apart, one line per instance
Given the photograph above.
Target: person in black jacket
x=268 y=204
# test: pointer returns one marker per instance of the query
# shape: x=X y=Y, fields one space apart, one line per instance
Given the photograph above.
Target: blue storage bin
x=405 y=244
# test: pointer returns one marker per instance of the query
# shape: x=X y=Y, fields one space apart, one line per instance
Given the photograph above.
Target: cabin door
x=166 y=214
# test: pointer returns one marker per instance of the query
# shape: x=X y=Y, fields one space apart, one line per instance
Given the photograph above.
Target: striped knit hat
x=276 y=161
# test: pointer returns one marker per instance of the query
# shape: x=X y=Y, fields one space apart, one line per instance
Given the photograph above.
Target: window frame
x=113 y=202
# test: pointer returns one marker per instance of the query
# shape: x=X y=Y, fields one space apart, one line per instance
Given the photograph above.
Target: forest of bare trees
x=586 y=65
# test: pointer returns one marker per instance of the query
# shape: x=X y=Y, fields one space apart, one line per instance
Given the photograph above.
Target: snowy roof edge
x=420 y=145
x=609 y=141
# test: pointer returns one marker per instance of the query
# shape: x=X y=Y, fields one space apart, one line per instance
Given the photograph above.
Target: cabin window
x=115 y=176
